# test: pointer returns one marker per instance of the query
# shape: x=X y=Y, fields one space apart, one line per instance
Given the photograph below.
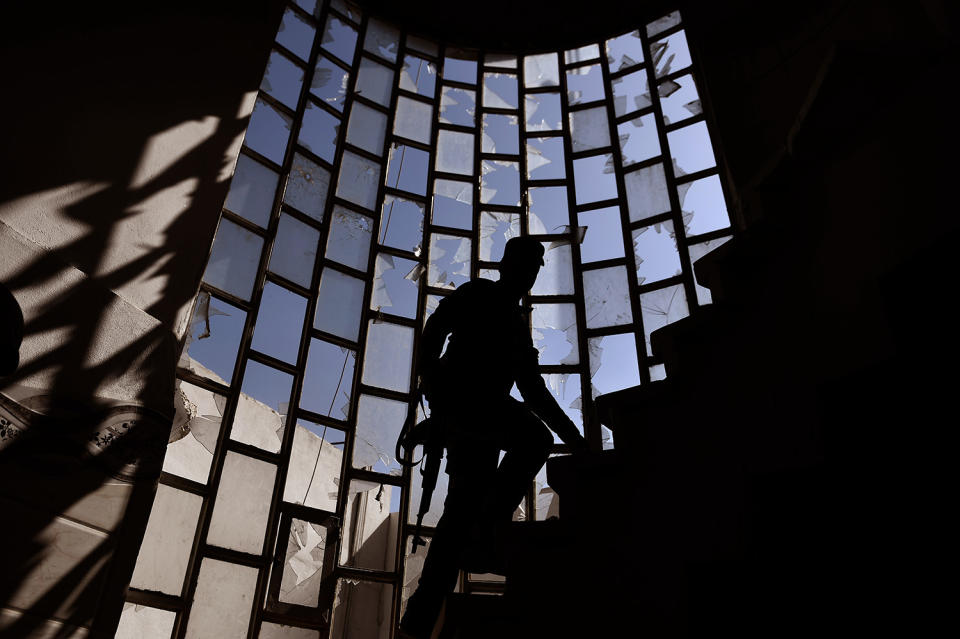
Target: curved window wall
x=379 y=171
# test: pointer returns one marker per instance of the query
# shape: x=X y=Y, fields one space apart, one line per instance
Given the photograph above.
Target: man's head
x=522 y=259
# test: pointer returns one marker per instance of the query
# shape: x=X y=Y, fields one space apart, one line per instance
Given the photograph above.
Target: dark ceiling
x=517 y=25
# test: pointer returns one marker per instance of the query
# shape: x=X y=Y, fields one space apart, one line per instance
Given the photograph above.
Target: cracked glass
x=661 y=307
x=389 y=351
x=582 y=54
x=413 y=119
x=589 y=129
x=455 y=152
x=542 y=111
x=328 y=379
x=283 y=79
x=213 y=338
x=630 y=93
x=585 y=84
x=401 y=224
x=330 y=82
x=662 y=24
x=647 y=193
x=303 y=562
x=407 y=169
x=501 y=134
x=458 y=106
x=252 y=190
x=369 y=537
x=165 y=549
x=639 y=139
x=381 y=39
x=670 y=54
x=606 y=297
x=339 y=304
x=296 y=34
x=395 y=291
x=453 y=204
x=565 y=388
x=556 y=275
x=351 y=610
x=232 y=266
x=696 y=252
x=691 y=149
x=548 y=209
x=339 y=38
x=500 y=91
x=349 y=239
x=613 y=363
x=555 y=333
x=318 y=132
x=196 y=427
x=545 y=158
x=359 y=180
x=594 y=179
x=262 y=408
x=624 y=51
x=541 y=70
x=223 y=600
x=449 y=260
x=655 y=253
x=379 y=421
x=418 y=76
x=307 y=186
x=603 y=239
x=239 y=520
x=679 y=99
x=268 y=131
x=313 y=474
x=495 y=230
x=294 y=250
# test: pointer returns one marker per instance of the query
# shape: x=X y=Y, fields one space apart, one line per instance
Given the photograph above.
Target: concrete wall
x=122 y=126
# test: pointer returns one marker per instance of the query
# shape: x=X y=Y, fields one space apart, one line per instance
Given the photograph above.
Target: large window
x=380 y=171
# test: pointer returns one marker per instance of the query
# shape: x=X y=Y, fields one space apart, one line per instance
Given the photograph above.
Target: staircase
x=784 y=480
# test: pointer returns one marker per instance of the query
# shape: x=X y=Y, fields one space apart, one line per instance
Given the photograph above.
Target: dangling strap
x=408 y=425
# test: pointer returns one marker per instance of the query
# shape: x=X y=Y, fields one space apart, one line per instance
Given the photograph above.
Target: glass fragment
x=401 y=224
x=328 y=379
x=306 y=547
x=646 y=192
x=453 y=204
x=589 y=129
x=594 y=178
x=268 y=131
x=407 y=169
x=330 y=82
x=541 y=70
x=418 y=75
x=624 y=51
x=630 y=93
x=315 y=461
x=449 y=261
x=501 y=134
x=349 y=239
x=548 y=209
x=495 y=230
x=319 y=130
x=379 y=421
x=347 y=9
x=500 y=183
x=359 y=180
x=339 y=304
x=556 y=275
x=606 y=297
x=500 y=91
x=232 y=266
x=252 y=190
x=339 y=38
x=413 y=119
x=545 y=158
x=542 y=111
x=679 y=99
x=604 y=237
x=670 y=54
x=458 y=106
x=294 y=250
x=613 y=363
x=639 y=140
x=282 y=79
x=696 y=252
x=196 y=429
x=555 y=333
x=565 y=388
x=213 y=338
x=381 y=39
x=584 y=53
x=262 y=407
x=662 y=24
x=655 y=252
x=386 y=362
x=239 y=520
x=296 y=34
x=585 y=84
x=500 y=60
x=661 y=307
x=393 y=292
x=691 y=149
x=307 y=187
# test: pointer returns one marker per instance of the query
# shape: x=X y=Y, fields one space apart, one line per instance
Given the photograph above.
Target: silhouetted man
x=468 y=389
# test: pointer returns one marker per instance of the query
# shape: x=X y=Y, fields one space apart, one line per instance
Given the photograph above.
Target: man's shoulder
x=479 y=286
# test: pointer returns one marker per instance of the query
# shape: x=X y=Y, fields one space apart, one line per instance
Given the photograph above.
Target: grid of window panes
x=379 y=171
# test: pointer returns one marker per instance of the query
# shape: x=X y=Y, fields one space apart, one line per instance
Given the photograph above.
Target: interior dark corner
x=223 y=226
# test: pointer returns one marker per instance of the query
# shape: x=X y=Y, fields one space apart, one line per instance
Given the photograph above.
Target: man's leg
x=527 y=443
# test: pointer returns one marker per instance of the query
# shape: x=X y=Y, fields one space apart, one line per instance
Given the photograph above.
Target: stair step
x=476 y=616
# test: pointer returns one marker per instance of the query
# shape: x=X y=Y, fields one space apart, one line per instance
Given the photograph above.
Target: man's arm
x=534 y=391
x=435 y=332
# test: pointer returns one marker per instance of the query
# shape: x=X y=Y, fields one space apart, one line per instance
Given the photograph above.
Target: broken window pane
x=252 y=191
x=328 y=379
x=500 y=91
x=548 y=209
x=401 y=224
x=352 y=606
x=624 y=51
x=585 y=84
x=268 y=131
x=359 y=180
x=262 y=407
x=556 y=275
x=213 y=338
x=679 y=99
x=670 y=54
x=460 y=70
x=541 y=70
x=703 y=205
x=296 y=34
x=381 y=39
x=542 y=111
x=545 y=158
x=588 y=52
x=589 y=129
x=691 y=149
x=418 y=75
x=555 y=333
x=310 y=6
x=394 y=289
x=658 y=372
x=565 y=388
x=339 y=38
x=630 y=93
x=307 y=186
x=389 y=349
x=349 y=239
x=500 y=60
x=638 y=139
x=283 y=79
x=330 y=83
x=664 y=23
x=279 y=323
x=449 y=261
x=431 y=306
x=306 y=546
x=455 y=152
x=604 y=237
x=370 y=526
x=313 y=475
x=379 y=422
x=165 y=550
x=491 y=274
x=661 y=307
x=501 y=134
x=432 y=516
x=495 y=230
x=413 y=119
x=375 y=82
x=339 y=304
x=646 y=192
x=613 y=363
x=696 y=252
x=422 y=45
x=239 y=520
x=347 y=9
x=453 y=204
x=294 y=250
x=276 y=631
x=318 y=131
x=367 y=128
x=193 y=437
x=407 y=169
x=143 y=622
x=223 y=599
x=594 y=178
x=606 y=438
x=606 y=296
x=458 y=106
x=655 y=252
x=233 y=259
